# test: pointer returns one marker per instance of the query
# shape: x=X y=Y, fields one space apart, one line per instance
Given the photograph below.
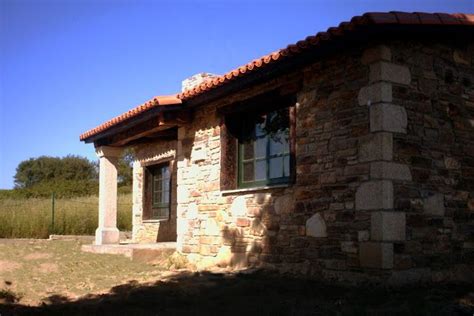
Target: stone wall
x=439 y=148
x=384 y=173
x=147 y=231
x=310 y=226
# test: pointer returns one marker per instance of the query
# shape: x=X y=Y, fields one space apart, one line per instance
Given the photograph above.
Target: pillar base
x=107 y=235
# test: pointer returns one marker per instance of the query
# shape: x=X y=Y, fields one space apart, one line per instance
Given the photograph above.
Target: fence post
x=52 y=212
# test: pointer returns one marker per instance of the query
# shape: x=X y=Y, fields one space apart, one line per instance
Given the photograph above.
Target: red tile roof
x=400 y=18
x=155 y=102
x=260 y=64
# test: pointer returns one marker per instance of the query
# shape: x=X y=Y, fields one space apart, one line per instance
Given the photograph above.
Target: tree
x=67 y=176
x=124 y=168
x=44 y=169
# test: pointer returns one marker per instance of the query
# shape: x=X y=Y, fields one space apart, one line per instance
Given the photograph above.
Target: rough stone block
x=375 y=93
x=385 y=71
x=388 y=226
x=211 y=228
x=239 y=207
x=192 y=211
x=284 y=204
x=363 y=235
x=387 y=117
x=389 y=170
x=434 y=205
x=376 y=255
x=461 y=57
x=378 y=146
x=348 y=246
x=199 y=154
x=452 y=163
x=242 y=222
x=374 y=195
x=376 y=53
x=224 y=256
x=182 y=194
x=316 y=226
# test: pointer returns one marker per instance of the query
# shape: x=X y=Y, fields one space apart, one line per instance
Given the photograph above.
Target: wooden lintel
x=269 y=101
x=127 y=140
x=160 y=122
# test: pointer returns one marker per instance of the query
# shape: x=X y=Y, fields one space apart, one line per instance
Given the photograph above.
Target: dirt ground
x=40 y=277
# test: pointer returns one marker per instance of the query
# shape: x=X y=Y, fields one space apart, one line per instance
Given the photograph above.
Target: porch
x=153 y=231
x=137 y=252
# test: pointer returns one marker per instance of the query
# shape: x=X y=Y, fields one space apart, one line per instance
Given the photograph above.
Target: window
x=160 y=191
x=264 y=150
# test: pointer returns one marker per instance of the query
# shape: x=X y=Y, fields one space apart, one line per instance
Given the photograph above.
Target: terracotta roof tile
x=428 y=18
x=406 y=18
x=380 y=18
x=155 y=102
x=371 y=18
x=448 y=19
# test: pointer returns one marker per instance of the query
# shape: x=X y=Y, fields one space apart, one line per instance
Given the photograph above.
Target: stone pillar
x=107 y=232
x=138 y=185
x=377 y=195
x=181 y=192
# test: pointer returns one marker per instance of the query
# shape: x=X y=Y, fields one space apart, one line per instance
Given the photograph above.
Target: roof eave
x=130 y=124
x=153 y=106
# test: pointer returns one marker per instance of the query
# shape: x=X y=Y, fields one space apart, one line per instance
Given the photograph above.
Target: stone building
x=348 y=155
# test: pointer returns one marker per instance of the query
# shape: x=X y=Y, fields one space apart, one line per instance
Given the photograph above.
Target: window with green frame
x=160 y=191
x=264 y=153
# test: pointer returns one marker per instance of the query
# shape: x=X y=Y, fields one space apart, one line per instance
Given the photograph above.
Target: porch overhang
x=152 y=119
x=157 y=123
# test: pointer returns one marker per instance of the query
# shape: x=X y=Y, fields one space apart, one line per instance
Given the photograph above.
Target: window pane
x=279 y=143
x=248 y=172
x=261 y=170
x=286 y=166
x=161 y=212
x=248 y=150
x=165 y=184
x=156 y=197
x=158 y=185
x=165 y=170
x=276 y=145
x=259 y=129
x=261 y=147
x=276 y=167
x=165 y=197
x=266 y=155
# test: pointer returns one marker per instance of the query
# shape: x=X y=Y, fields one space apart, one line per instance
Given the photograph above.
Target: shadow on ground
x=258 y=293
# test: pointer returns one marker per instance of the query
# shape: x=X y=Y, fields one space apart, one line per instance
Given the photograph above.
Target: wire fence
x=40 y=217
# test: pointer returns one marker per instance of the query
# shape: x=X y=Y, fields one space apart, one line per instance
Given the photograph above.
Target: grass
x=53 y=277
x=33 y=270
x=32 y=218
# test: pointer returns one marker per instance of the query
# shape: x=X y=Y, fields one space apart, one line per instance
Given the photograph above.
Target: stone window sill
x=151 y=221
x=256 y=189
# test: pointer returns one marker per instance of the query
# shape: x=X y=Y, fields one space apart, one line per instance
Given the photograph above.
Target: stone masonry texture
x=384 y=173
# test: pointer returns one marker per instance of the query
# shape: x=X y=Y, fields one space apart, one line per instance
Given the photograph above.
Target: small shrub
x=9 y=297
x=177 y=261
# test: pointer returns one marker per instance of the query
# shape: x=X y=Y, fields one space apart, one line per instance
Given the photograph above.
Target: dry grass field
x=32 y=218
x=41 y=277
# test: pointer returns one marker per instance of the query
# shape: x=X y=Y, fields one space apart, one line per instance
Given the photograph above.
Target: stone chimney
x=196 y=80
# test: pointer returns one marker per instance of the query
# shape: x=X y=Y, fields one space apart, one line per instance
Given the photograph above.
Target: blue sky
x=68 y=65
